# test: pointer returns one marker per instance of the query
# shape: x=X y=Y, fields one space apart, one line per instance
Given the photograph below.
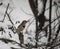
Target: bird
x=21 y=26
x=19 y=31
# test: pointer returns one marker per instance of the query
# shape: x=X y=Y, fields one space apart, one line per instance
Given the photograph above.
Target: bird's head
x=24 y=22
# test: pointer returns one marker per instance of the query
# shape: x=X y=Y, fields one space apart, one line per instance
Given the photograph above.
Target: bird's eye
x=23 y=26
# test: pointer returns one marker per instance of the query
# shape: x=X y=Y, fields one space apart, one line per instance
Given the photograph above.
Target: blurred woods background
x=29 y=24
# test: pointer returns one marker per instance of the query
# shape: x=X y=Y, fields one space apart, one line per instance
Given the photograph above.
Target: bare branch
x=57 y=32
x=10 y=19
x=9 y=40
x=6 y=12
x=51 y=23
x=10 y=11
x=50 y=12
x=54 y=46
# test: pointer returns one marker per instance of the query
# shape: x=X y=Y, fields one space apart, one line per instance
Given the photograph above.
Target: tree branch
x=50 y=11
x=9 y=40
x=5 y=12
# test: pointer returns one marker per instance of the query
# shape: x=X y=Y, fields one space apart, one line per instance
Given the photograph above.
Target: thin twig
x=5 y=12
x=10 y=11
x=10 y=19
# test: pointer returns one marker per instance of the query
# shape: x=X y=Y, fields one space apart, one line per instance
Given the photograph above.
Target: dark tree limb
x=44 y=5
x=42 y=18
x=50 y=11
x=34 y=8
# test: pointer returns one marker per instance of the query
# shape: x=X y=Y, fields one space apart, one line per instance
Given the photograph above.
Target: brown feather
x=19 y=29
